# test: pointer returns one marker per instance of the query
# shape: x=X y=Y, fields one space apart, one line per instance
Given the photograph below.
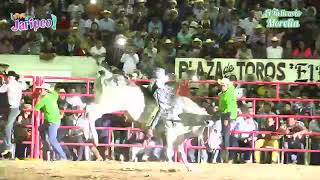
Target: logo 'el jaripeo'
x=24 y=23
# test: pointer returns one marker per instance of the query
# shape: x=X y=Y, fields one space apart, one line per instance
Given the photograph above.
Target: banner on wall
x=286 y=70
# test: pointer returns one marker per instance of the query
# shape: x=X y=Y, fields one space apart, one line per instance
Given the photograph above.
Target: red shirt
x=297 y=53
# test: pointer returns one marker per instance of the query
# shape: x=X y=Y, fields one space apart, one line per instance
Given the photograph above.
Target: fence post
x=36 y=119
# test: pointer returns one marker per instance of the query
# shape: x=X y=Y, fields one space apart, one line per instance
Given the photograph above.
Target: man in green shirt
x=52 y=119
x=229 y=109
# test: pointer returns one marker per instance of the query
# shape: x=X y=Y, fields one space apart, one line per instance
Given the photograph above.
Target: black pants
x=238 y=142
x=297 y=157
x=225 y=132
x=22 y=150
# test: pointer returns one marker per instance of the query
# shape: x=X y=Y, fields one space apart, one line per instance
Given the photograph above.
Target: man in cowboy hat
x=3 y=68
x=274 y=51
x=48 y=103
x=14 y=89
x=228 y=108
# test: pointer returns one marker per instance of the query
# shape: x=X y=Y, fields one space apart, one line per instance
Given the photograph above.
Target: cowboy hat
x=107 y=12
x=168 y=41
x=196 y=40
x=14 y=74
x=173 y=1
x=209 y=41
x=275 y=39
x=224 y=81
x=44 y=86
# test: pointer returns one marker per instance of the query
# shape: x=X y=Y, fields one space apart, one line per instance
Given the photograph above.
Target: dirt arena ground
x=36 y=169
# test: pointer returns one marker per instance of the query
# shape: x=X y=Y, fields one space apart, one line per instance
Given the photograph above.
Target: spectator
x=75 y=8
x=23 y=133
x=43 y=9
x=13 y=88
x=287 y=51
x=257 y=42
x=107 y=24
x=48 y=104
x=193 y=27
x=199 y=9
x=138 y=40
x=206 y=22
x=275 y=51
x=6 y=47
x=249 y=23
x=171 y=52
x=130 y=60
x=213 y=12
x=229 y=49
x=81 y=135
x=268 y=140
x=79 y=23
x=147 y=64
x=314 y=126
x=185 y=9
x=244 y=52
x=265 y=109
x=155 y=25
x=194 y=52
x=98 y=52
x=209 y=51
x=258 y=11
x=246 y=124
x=104 y=136
x=267 y=90
x=294 y=140
x=171 y=6
x=171 y=26
x=123 y=23
x=151 y=50
x=48 y=52
x=62 y=6
x=30 y=11
x=223 y=28
x=94 y=32
x=184 y=37
x=272 y=33
x=302 y=51
x=63 y=23
x=140 y=9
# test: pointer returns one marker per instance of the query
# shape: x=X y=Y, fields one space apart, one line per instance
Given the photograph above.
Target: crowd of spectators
x=138 y=34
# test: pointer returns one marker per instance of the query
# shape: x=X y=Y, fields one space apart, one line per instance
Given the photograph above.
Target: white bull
x=113 y=93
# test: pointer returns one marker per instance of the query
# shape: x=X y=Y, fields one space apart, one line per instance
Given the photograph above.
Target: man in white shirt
x=130 y=60
x=89 y=22
x=274 y=51
x=98 y=52
x=249 y=23
x=14 y=90
x=107 y=23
